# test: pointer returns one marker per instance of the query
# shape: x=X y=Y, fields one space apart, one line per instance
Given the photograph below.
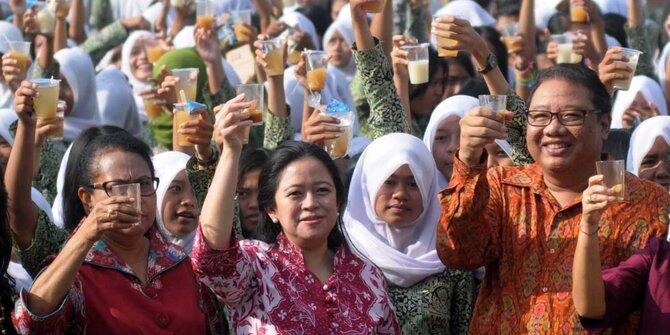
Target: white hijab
x=117 y=104
x=456 y=105
x=651 y=91
x=77 y=68
x=405 y=255
x=168 y=165
x=13 y=34
x=124 y=9
x=300 y=21
x=57 y=207
x=643 y=139
x=345 y=29
x=127 y=49
x=662 y=63
x=470 y=10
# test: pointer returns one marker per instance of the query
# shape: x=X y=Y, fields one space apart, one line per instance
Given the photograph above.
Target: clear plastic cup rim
x=631 y=52
x=417 y=46
x=46 y=82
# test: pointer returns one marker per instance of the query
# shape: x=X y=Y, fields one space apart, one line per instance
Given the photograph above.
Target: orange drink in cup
x=578 y=13
x=46 y=103
x=180 y=116
x=373 y=7
x=241 y=20
x=254 y=93
x=153 y=107
x=188 y=81
x=445 y=42
x=274 y=55
x=205 y=14
x=317 y=62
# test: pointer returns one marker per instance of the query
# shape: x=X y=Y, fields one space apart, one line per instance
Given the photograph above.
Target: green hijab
x=161 y=127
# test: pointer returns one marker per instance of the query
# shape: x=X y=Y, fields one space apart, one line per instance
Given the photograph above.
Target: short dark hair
x=285 y=154
x=578 y=74
x=614 y=26
x=252 y=159
x=80 y=167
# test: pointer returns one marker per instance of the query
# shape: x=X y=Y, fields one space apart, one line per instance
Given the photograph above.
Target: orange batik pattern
x=507 y=220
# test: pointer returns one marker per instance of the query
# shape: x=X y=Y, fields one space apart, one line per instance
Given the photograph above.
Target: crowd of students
x=444 y=216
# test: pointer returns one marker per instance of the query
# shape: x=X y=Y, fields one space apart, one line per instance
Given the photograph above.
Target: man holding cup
x=522 y=222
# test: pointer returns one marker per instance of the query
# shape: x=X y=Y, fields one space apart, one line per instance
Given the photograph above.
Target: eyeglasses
x=653 y=161
x=148 y=185
x=572 y=117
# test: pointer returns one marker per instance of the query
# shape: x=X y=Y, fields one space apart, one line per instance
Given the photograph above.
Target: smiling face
x=116 y=165
x=447 y=140
x=306 y=204
x=558 y=148
x=339 y=50
x=247 y=196
x=655 y=165
x=398 y=201
x=179 y=211
x=139 y=63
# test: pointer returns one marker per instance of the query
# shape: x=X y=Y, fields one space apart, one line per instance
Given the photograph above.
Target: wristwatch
x=491 y=63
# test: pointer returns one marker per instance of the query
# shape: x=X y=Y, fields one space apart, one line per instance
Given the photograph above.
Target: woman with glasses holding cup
x=116 y=272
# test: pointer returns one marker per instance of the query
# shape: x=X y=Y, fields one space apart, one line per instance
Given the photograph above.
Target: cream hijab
x=168 y=165
x=405 y=255
x=651 y=91
x=456 y=105
x=643 y=139
x=77 y=68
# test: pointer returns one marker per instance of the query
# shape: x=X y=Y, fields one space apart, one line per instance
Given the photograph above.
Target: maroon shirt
x=643 y=280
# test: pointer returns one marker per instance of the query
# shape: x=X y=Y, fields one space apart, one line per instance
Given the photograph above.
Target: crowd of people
x=334 y=166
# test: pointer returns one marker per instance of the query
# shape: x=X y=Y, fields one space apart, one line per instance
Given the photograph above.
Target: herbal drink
x=181 y=115
x=188 y=81
x=578 y=13
x=417 y=55
x=154 y=53
x=274 y=56
x=255 y=95
x=339 y=147
x=46 y=103
x=153 y=108
x=316 y=79
x=20 y=51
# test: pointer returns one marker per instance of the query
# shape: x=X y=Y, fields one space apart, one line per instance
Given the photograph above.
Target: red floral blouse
x=268 y=290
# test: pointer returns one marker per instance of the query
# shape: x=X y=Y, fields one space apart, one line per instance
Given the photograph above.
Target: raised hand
x=320 y=127
x=614 y=68
x=479 y=127
x=231 y=121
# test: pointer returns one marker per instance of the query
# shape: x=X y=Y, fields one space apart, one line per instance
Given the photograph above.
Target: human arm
x=77 y=22
x=462 y=302
x=217 y=213
x=638 y=35
x=60 y=30
x=382 y=27
x=613 y=68
x=400 y=72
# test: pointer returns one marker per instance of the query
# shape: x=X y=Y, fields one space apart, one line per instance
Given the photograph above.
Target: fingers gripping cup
x=254 y=93
x=45 y=103
x=188 y=81
x=614 y=174
x=20 y=51
x=317 y=61
x=180 y=116
x=338 y=147
x=496 y=103
x=564 y=43
x=417 y=63
x=511 y=37
x=633 y=56
x=274 y=55
x=446 y=42
x=129 y=190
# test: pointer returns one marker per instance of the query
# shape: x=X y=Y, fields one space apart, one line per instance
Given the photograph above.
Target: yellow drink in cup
x=21 y=59
x=20 y=51
x=155 y=53
x=205 y=14
x=274 y=55
x=181 y=115
x=60 y=119
x=255 y=94
x=316 y=79
x=338 y=148
x=153 y=107
x=206 y=22
x=446 y=42
x=188 y=81
x=578 y=14
x=373 y=7
x=46 y=103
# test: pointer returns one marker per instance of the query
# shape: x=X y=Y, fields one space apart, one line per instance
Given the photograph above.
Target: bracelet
x=212 y=159
x=587 y=234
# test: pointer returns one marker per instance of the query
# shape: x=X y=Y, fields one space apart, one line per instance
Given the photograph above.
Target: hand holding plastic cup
x=417 y=56
x=564 y=43
x=317 y=62
x=614 y=177
x=496 y=103
x=45 y=103
x=205 y=14
x=446 y=42
x=188 y=81
x=254 y=93
x=133 y=190
x=20 y=51
x=338 y=147
x=274 y=56
x=510 y=36
x=633 y=57
x=181 y=115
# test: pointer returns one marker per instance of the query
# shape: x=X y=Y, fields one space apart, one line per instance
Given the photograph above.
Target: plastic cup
x=338 y=147
x=578 y=13
x=254 y=93
x=181 y=115
x=613 y=177
x=60 y=118
x=153 y=107
x=564 y=42
x=274 y=55
x=447 y=42
x=633 y=56
x=240 y=19
x=205 y=14
x=317 y=62
x=46 y=103
x=188 y=81
x=178 y=3
x=154 y=50
x=129 y=190
x=20 y=51
x=511 y=38
x=496 y=103
x=417 y=56
x=373 y=7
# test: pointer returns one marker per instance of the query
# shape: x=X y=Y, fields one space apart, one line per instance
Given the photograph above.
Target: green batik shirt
x=439 y=304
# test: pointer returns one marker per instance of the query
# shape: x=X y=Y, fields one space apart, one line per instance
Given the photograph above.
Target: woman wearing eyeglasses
x=116 y=273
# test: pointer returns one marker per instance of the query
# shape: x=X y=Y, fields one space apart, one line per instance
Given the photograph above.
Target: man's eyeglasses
x=148 y=185
x=542 y=118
